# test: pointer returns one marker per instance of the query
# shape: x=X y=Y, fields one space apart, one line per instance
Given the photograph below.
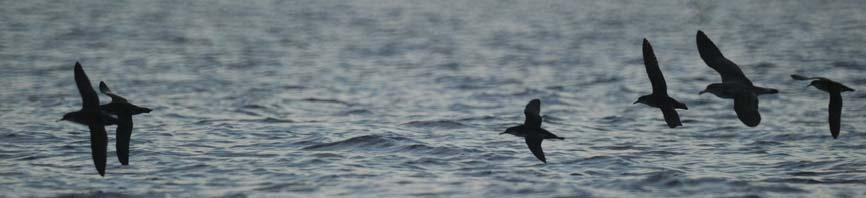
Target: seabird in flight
x=659 y=98
x=835 y=90
x=531 y=129
x=124 y=110
x=734 y=84
x=90 y=115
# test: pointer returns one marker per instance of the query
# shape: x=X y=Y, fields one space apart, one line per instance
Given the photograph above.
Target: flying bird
x=531 y=130
x=835 y=90
x=734 y=84
x=659 y=98
x=92 y=116
x=124 y=110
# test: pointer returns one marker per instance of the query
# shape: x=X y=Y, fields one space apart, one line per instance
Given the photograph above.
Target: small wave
x=385 y=143
x=448 y=124
x=765 y=143
x=797 y=180
x=107 y=194
x=667 y=178
x=609 y=161
x=363 y=142
x=848 y=65
x=355 y=112
x=811 y=173
x=332 y=101
x=800 y=165
x=618 y=147
x=273 y=120
x=288 y=187
x=676 y=179
x=658 y=153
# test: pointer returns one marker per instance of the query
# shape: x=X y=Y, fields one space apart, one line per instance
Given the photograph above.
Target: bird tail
x=764 y=90
x=676 y=104
x=799 y=77
x=139 y=110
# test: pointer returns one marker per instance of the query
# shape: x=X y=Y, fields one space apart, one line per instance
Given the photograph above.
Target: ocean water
x=407 y=98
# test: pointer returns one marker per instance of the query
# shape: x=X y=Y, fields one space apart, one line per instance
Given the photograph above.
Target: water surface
x=397 y=99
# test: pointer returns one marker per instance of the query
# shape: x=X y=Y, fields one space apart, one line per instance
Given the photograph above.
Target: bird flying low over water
x=659 y=98
x=124 y=110
x=835 y=90
x=734 y=84
x=531 y=129
x=90 y=115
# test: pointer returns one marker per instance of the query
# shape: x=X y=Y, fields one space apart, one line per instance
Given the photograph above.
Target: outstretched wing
x=671 y=116
x=90 y=105
x=835 y=109
x=88 y=96
x=532 y=112
x=746 y=106
x=98 y=147
x=534 y=144
x=799 y=77
x=652 y=69
x=713 y=57
x=124 y=135
x=114 y=97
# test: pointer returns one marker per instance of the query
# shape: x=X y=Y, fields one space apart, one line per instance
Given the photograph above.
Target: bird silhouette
x=531 y=130
x=90 y=115
x=659 y=98
x=124 y=110
x=734 y=84
x=835 y=90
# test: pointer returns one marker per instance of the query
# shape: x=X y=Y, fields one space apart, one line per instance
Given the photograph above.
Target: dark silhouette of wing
x=124 y=136
x=547 y=134
x=652 y=69
x=835 y=109
x=90 y=107
x=532 y=112
x=676 y=104
x=534 y=144
x=746 y=106
x=135 y=110
x=799 y=77
x=124 y=111
x=98 y=147
x=842 y=88
x=711 y=55
x=89 y=98
x=114 y=97
x=671 y=116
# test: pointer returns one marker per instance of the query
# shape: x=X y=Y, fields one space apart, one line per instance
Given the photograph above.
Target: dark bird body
x=735 y=85
x=659 y=98
x=835 y=90
x=531 y=129
x=77 y=117
x=124 y=110
x=91 y=115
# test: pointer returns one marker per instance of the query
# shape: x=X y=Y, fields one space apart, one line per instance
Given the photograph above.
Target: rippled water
x=394 y=99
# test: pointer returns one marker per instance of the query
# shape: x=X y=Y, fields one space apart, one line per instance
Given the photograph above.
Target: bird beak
x=501 y=133
x=635 y=102
x=702 y=92
x=59 y=120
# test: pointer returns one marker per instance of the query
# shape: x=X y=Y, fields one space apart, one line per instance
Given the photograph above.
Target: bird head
x=510 y=130
x=67 y=117
x=712 y=88
x=643 y=100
